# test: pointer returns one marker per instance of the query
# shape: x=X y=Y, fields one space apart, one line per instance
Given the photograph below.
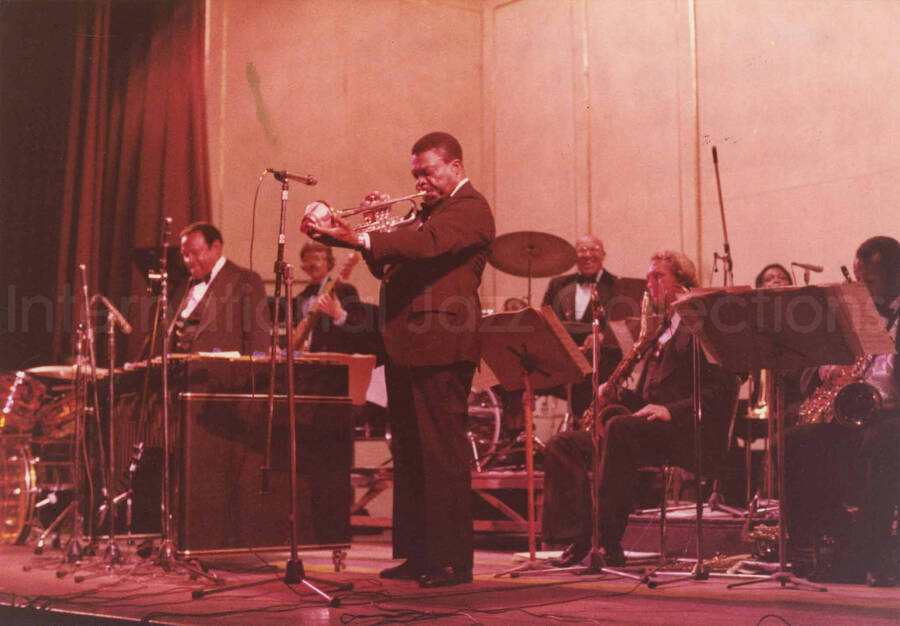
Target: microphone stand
x=726 y=259
x=165 y=556
x=284 y=274
x=112 y=554
x=279 y=268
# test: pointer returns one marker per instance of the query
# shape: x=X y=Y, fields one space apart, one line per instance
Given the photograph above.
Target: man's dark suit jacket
x=429 y=316
x=233 y=313
x=560 y=295
x=430 y=308
x=668 y=380
x=349 y=338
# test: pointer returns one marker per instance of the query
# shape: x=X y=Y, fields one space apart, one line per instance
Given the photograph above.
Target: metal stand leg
x=781 y=576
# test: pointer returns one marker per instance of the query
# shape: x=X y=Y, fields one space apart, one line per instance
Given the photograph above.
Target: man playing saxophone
x=832 y=463
x=657 y=428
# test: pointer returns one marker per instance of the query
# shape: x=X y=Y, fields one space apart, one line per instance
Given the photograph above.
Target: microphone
x=117 y=315
x=846 y=273
x=284 y=175
x=809 y=267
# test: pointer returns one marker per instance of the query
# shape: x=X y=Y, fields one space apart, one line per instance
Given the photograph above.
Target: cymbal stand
x=95 y=411
x=74 y=549
x=165 y=556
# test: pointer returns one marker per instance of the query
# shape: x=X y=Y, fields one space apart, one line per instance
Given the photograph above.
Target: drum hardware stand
x=75 y=549
x=284 y=275
x=165 y=556
x=112 y=554
x=128 y=494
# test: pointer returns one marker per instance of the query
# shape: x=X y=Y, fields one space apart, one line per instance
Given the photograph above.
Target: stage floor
x=37 y=589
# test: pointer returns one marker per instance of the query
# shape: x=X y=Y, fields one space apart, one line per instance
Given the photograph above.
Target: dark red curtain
x=135 y=151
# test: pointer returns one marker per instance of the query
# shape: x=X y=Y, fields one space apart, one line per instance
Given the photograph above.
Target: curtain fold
x=137 y=150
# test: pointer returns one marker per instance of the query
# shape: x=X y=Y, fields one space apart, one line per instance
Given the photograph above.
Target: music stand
x=526 y=349
x=784 y=328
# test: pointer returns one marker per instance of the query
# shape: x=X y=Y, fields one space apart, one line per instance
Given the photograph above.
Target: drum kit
x=36 y=444
x=495 y=418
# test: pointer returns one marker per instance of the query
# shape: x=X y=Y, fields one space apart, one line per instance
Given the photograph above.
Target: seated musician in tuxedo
x=658 y=429
x=339 y=324
x=831 y=468
x=570 y=298
x=224 y=307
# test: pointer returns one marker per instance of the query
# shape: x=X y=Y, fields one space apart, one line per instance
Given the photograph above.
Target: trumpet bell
x=316 y=215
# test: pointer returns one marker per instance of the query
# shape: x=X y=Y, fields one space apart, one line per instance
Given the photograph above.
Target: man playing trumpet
x=429 y=315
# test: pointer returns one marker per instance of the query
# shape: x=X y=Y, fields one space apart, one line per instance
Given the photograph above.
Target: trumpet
x=376 y=217
x=378 y=206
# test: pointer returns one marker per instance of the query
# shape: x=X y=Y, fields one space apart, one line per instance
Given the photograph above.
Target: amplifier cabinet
x=219 y=505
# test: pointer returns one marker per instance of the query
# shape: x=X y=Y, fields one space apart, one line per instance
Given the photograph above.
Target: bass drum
x=484 y=425
x=17 y=487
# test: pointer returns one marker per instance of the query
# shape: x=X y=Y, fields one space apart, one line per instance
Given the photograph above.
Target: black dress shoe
x=882 y=574
x=445 y=577
x=572 y=555
x=405 y=571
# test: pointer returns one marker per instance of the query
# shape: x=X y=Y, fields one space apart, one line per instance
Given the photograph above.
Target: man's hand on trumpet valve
x=340 y=233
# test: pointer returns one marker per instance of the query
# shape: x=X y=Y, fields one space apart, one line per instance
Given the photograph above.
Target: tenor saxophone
x=846 y=400
x=616 y=381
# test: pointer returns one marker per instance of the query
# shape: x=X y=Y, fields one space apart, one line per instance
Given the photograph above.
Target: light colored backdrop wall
x=575 y=116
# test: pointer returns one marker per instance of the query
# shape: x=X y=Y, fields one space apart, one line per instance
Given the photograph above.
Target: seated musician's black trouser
x=827 y=465
x=629 y=444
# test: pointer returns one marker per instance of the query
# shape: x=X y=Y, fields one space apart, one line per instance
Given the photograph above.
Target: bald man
x=570 y=297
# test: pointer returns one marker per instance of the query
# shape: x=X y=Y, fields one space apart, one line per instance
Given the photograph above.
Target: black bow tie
x=205 y=279
x=584 y=279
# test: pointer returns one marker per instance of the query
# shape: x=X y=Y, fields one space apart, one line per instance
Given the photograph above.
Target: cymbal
x=63 y=372
x=530 y=253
